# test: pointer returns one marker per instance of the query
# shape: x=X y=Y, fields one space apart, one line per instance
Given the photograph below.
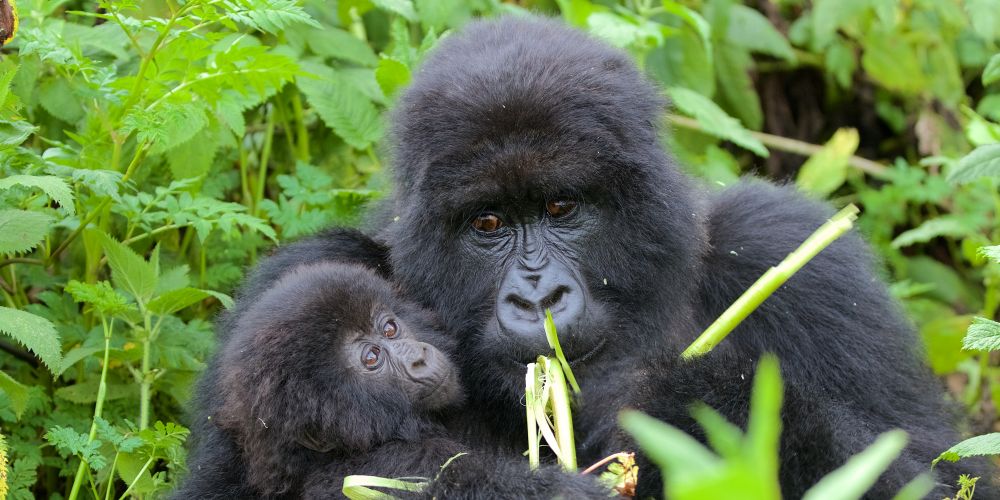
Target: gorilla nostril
x=553 y=298
x=520 y=303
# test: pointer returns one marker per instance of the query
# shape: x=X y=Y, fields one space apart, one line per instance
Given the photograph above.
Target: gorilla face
x=530 y=176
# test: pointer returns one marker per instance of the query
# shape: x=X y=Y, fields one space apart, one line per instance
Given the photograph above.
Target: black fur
x=515 y=111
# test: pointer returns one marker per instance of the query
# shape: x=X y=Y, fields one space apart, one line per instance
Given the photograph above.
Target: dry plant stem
x=770 y=281
x=604 y=461
x=787 y=145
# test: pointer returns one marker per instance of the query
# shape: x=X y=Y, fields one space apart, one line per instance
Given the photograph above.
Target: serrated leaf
x=55 y=187
x=826 y=170
x=22 y=230
x=750 y=30
x=402 y=7
x=269 y=16
x=35 y=333
x=70 y=442
x=992 y=252
x=175 y=300
x=983 y=335
x=339 y=44
x=992 y=72
x=16 y=392
x=984 y=161
x=13 y=133
x=391 y=75
x=100 y=295
x=930 y=229
x=344 y=109
x=129 y=271
x=851 y=480
x=714 y=120
x=987 y=444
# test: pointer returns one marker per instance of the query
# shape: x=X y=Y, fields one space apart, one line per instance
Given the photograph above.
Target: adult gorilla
x=529 y=175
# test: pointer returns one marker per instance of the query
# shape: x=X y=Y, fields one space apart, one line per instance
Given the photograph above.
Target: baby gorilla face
x=388 y=354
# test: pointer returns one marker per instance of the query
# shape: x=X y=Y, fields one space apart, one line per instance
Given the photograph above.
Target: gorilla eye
x=560 y=208
x=487 y=223
x=370 y=357
x=389 y=329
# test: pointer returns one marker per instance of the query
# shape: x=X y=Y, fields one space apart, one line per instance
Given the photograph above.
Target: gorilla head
x=529 y=177
x=328 y=359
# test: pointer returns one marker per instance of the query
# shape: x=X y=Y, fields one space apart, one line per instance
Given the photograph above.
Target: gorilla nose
x=524 y=299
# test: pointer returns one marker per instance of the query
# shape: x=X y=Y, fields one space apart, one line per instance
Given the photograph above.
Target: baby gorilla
x=330 y=374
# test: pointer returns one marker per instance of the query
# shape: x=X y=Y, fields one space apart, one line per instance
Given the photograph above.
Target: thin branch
x=787 y=145
x=21 y=260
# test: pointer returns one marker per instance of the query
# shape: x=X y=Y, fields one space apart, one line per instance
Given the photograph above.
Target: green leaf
x=86 y=392
x=992 y=252
x=55 y=187
x=175 y=300
x=339 y=44
x=666 y=445
x=391 y=75
x=829 y=15
x=992 y=72
x=892 y=63
x=129 y=271
x=851 y=480
x=401 y=7
x=100 y=295
x=70 y=442
x=13 y=133
x=21 y=230
x=736 y=90
x=76 y=355
x=35 y=333
x=714 y=120
x=749 y=29
x=826 y=170
x=987 y=444
x=270 y=16
x=984 y=161
x=16 y=392
x=983 y=335
x=359 y=487
x=764 y=427
x=917 y=489
x=345 y=110
x=930 y=229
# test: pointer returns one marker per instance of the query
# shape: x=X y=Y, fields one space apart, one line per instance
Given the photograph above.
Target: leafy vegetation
x=151 y=150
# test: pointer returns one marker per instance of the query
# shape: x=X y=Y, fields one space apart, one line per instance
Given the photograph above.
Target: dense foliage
x=151 y=150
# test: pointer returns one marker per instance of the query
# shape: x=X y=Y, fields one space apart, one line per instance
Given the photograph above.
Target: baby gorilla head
x=330 y=359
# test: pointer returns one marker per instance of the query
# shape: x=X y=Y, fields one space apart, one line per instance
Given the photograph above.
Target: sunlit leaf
x=987 y=444
x=22 y=230
x=35 y=333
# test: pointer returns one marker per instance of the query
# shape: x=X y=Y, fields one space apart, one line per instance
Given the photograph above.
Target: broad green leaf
x=749 y=29
x=851 y=480
x=359 y=487
x=391 y=75
x=76 y=355
x=35 y=333
x=339 y=44
x=128 y=468
x=129 y=271
x=984 y=161
x=13 y=133
x=401 y=7
x=55 y=187
x=987 y=444
x=86 y=392
x=56 y=95
x=345 y=110
x=984 y=15
x=893 y=63
x=930 y=229
x=829 y=15
x=175 y=300
x=764 y=427
x=736 y=90
x=21 y=230
x=841 y=62
x=714 y=120
x=992 y=252
x=16 y=392
x=666 y=445
x=826 y=170
x=983 y=335
x=992 y=72
x=193 y=158
x=917 y=489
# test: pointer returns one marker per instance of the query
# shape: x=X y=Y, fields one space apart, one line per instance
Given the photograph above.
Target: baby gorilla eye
x=487 y=223
x=390 y=330
x=370 y=357
x=560 y=208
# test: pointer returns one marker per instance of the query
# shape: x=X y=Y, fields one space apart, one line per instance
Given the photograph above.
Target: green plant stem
x=562 y=416
x=301 y=134
x=102 y=391
x=770 y=281
x=265 y=158
x=146 y=383
x=787 y=145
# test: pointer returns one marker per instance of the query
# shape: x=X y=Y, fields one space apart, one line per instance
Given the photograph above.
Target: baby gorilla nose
x=523 y=299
